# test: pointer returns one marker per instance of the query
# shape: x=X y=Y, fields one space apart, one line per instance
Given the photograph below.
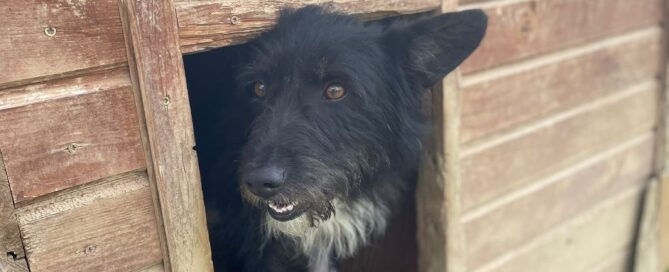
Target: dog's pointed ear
x=431 y=48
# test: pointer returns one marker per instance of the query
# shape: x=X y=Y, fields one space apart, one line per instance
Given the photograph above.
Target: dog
x=328 y=112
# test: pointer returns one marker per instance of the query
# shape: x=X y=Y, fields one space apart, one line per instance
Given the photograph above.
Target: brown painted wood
x=439 y=233
x=12 y=256
x=501 y=165
x=88 y=34
x=108 y=225
x=511 y=224
x=68 y=132
x=597 y=240
x=211 y=23
x=150 y=27
x=520 y=29
x=506 y=97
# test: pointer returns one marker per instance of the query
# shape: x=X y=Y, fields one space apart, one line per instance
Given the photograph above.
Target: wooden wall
x=558 y=133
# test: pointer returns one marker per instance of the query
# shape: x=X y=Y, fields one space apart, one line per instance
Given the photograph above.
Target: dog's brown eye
x=334 y=92
x=260 y=89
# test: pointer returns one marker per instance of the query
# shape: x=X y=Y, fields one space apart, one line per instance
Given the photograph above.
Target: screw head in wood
x=235 y=20
x=50 y=31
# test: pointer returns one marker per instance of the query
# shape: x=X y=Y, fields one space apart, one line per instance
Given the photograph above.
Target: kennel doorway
x=96 y=136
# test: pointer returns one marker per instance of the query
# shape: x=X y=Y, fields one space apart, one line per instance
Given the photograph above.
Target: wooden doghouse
x=544 y=139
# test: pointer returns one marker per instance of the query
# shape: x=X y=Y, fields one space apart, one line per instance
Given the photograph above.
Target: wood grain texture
x=646 y=254
x=68 y=132
x=664 y=221
x=150 y=27
x=527 y=215
x=520 y=29
x=501 y=165
x=584 y=243
x=108 y=225
x=12 y=256
x=502 y=98
x=88 y=34
x=206 y=24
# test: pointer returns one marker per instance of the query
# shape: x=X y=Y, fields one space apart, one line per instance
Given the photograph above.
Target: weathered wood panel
x=495 y=231
x=159 y=82
x=215 y=23
x=582 y=243
x=88 y=132
x=11 y=247
x=512 y=160
x=502 y=98
x=105 y=226
x=87 y=34
x=619 y=262
x=519 y=29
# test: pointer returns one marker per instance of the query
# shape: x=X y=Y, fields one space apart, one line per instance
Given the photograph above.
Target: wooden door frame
x=159 y=84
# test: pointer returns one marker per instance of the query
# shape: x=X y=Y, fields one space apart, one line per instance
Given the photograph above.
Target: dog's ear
x=431 y=48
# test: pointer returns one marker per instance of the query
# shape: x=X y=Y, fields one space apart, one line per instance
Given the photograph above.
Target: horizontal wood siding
x=559 y=133
x=88 y=34
x=105 y=226
x=68 y=132
x=524 y=28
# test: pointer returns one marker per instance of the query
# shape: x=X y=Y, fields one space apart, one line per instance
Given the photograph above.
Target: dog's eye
x=259 y=89
x=334 y=92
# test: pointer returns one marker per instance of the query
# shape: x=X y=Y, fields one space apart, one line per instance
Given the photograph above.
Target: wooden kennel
x=544 y=139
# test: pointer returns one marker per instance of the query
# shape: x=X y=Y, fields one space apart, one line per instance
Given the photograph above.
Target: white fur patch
x=342 y=234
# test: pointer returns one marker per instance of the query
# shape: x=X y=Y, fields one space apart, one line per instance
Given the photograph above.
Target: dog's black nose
x=265 y=182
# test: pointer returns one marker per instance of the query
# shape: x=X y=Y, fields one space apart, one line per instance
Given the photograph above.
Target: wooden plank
x=505 y=226
x=150 y=27
x=12 y=256
x=105 y=226
x=498 y=166
x=646 y=248
x=68 y=132
x=87 y=34
x=524 y=28
x=439 y=232
x=499 y=99
x=619 y=262
x=664 y=222
x=581 y=244
x=209 y=24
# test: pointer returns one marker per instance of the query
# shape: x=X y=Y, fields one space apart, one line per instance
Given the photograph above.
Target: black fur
x=366 y=145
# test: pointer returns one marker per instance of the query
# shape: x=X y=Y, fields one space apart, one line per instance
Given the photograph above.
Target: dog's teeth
x=289 y=207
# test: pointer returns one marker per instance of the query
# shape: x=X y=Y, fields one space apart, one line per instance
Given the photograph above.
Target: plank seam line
x=62 y=76
x=480 y=146
x=574 y=221
x=115 y=186
x=547 y=181
x=532 y=63
x=622 y=253
x=492 y=4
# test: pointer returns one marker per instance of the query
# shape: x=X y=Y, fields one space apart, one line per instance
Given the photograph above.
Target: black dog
x=335 y=136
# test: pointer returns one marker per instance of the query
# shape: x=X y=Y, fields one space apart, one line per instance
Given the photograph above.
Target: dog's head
x=336 y=101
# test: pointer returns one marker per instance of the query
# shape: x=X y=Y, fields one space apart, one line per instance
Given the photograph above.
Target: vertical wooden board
x=105 y=226
x=87 y=34
x=157 y=70
x=88 y=132
x=664 y=222
x=508 y=96
x=503 y=228
x=583 y=243
x=519 y=29
x=11 y=247
x=619 y=262
x=209 y=24
x=494 y=168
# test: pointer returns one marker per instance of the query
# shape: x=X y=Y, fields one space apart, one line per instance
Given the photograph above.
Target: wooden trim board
x=156 y=65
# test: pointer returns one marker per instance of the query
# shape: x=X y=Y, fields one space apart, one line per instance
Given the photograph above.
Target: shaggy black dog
x=328 y=111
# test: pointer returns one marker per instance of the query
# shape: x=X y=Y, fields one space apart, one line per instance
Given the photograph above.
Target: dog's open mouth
x=285 y=211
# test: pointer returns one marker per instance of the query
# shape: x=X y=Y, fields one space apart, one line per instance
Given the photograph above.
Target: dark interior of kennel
x=221 y=117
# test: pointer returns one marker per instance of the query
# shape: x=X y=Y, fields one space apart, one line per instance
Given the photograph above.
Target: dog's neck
x=351 y=226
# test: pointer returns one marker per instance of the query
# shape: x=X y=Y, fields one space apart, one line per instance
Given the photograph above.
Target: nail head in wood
x=50 y=31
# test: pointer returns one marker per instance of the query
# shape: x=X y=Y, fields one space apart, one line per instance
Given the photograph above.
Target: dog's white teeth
x=289 y=207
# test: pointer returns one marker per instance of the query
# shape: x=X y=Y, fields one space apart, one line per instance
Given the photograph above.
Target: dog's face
x=333 y=98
